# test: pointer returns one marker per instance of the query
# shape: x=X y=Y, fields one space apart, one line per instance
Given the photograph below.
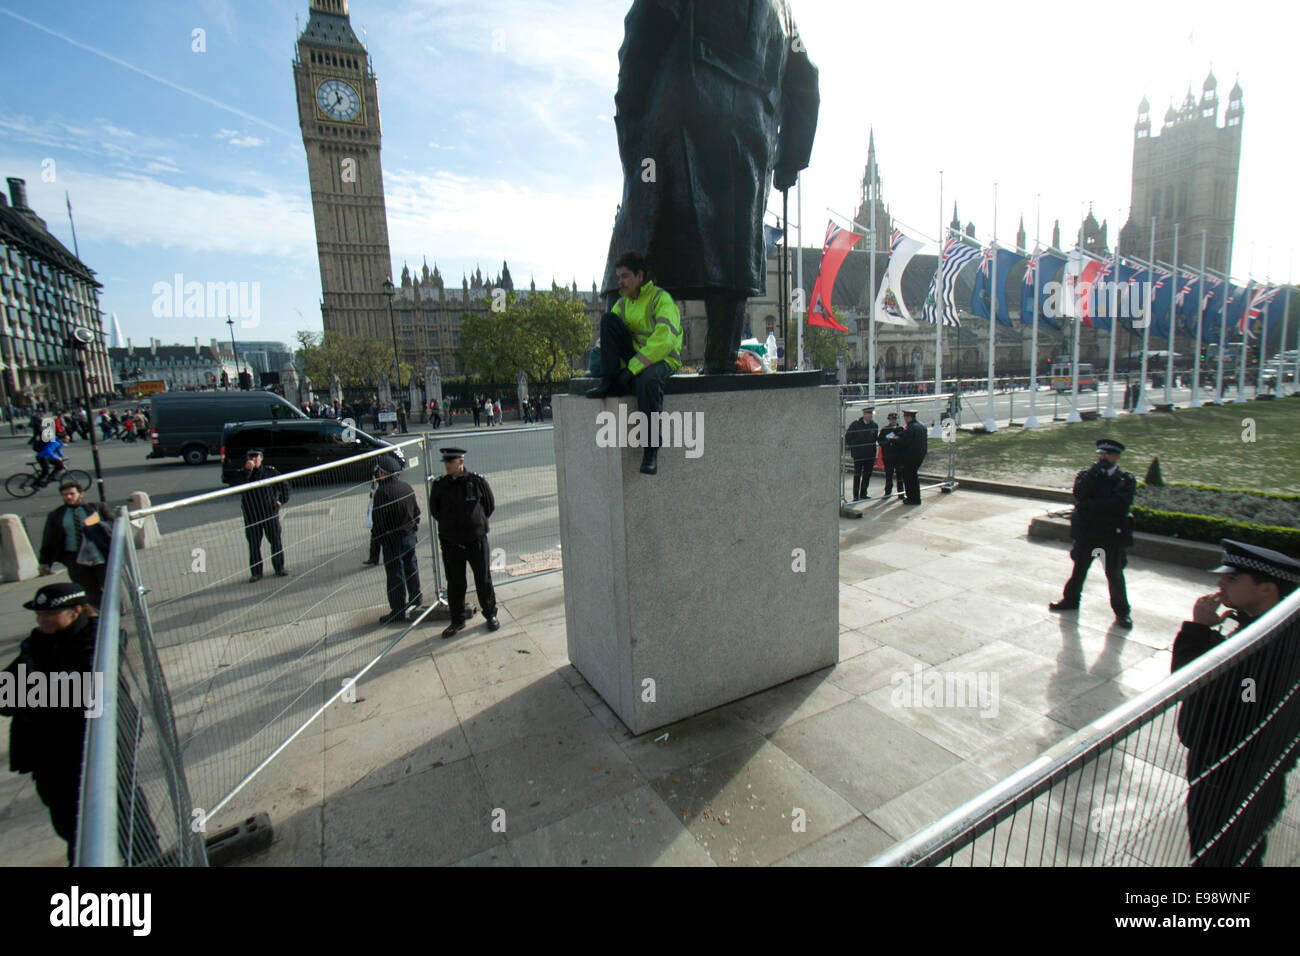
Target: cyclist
x=50 y=458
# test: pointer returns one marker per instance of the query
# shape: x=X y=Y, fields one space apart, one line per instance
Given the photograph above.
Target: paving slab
x=444 y=733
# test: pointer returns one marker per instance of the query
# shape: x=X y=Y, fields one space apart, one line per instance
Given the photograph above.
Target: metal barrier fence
x=940 y=451
x=250 y=664
x=135 y=802
x=1192 y=772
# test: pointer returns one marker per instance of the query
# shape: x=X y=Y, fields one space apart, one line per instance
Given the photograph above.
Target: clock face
x=338 y=100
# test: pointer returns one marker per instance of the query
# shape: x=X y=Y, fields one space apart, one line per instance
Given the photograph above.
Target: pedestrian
x=1240 y=745
x=889 y=440
x=69 y=540
x=261 y=508
x=401 y=418
x=860 y=442
x=461 y=503
x=477 y=405
x=397 y=524
x=500 y=418
x=373 y=558
x=528 y=415
x=1103 y=495
x=490 y=410
x=915 y=445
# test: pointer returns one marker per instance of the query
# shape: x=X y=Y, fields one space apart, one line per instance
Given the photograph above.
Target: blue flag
x=1048 y=266
x=982 y=293
x=772 y=236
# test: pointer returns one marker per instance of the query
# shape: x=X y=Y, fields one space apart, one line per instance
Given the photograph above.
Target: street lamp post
x=235 y=351
x=78 y=342
x=390 y=291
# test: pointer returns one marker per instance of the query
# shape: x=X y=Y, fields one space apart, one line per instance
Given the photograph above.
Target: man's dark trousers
x=892 y=469
x=401 y=570
x=862 y=468
x=615 y=344
x=909 y=480
x=454 y=559
x=1116 y=559
x=254 y=532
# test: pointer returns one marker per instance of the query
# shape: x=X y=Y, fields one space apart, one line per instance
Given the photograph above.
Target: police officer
x=1239 y=746
x=889 y=438
x=1101 y=521
x=860 y=440
x=461 y=502
x=261 y=507
x=915 y=444
x=396 y=525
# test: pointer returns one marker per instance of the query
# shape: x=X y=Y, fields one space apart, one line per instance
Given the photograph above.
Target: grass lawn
x=1203 y=445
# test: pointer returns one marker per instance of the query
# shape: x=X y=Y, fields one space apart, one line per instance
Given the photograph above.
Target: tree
x=822 y=345
x=539 y=335
x=357 y=361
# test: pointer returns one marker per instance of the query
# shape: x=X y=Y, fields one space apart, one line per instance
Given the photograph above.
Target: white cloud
x=235 y=138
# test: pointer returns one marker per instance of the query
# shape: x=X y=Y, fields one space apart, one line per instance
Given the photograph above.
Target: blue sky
x=499 y=143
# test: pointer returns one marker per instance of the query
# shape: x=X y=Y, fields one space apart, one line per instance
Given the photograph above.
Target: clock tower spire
x=338 y=112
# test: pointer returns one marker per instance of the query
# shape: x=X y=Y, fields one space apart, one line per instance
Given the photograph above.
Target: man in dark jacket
x=714 y=96
x=915 y=445
x=1101 y=522
x=860 y=442
x=890 y=439
x=461 y=502
x=65 y=536
x=261 y=507
x=396 y=525
x=1240 y=728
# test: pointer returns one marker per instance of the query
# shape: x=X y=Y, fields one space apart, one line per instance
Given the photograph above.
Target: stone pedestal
x=717 y=577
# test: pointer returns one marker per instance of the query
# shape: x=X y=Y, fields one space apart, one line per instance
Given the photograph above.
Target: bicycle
x=27 y=483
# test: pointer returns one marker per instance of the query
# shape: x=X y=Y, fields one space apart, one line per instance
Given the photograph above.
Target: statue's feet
x=718 y=368
x=603 y=390
x=650 y=461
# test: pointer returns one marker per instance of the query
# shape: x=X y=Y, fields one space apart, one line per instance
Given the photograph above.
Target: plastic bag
x=747 y=361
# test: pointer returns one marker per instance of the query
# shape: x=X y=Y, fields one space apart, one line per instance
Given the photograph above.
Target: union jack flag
x=1191 y=279
x=986 y=260
x=1255 y=306
x=1032 y=269
x=1210 y=283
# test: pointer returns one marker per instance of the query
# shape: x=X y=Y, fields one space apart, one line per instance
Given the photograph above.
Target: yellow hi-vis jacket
x=656 y=327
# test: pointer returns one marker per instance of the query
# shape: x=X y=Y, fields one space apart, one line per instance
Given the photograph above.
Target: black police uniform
x=462 y=506
x=915 y=445
x=262 y=517
x=1101 y=520
x=48 y=741
x=890 y=438
x=1239 y=748
x=860 y=440
x=396 y=525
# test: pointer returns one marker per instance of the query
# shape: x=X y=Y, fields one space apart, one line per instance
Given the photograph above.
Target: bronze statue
x=713 y=97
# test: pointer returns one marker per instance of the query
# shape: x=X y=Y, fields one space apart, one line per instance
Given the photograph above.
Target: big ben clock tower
x=338 y=110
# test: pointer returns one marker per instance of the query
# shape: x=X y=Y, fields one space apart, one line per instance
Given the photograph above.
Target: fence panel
x=1194 y=772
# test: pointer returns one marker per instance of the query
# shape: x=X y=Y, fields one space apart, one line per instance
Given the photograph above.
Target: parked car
x=189 y=425
x=291 y=445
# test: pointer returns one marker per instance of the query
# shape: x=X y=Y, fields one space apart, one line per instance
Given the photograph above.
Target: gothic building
x=1185 y=174
x=338 y=112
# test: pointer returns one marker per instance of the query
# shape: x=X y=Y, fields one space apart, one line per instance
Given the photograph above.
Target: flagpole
x=1223 y=324
x=1173 y=306
x=1286 y=315
x=1035 y=263
x=783 y=313
x=1073 y=415
x=990 y=424
x=1141 y=408
x=76 y=250
x=871 y=286
x=937 y=430
x=798 y=262
x=1112 y=307
x=1200 y=319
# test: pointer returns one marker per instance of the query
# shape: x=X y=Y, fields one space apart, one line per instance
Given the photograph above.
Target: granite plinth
x=715 y=578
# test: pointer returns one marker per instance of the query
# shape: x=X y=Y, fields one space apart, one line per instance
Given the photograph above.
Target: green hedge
x=1202 y=528
x=1234 y=491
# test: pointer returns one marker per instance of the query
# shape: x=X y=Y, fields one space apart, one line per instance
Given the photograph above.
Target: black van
x=189 y=425
x=293 y=445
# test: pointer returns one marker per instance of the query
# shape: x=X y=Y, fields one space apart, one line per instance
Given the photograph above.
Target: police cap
x=55 y=596
x=1109 y=444
x=451 y=454
x=1238 y=557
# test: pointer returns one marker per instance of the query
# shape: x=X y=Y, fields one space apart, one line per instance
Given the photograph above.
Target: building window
x=455 y=340
x=433 y=340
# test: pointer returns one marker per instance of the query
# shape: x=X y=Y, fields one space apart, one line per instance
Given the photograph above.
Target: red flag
x=1086 y=280
x=834 y=249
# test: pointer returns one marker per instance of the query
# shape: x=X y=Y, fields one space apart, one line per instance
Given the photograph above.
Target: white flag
x=890 y=308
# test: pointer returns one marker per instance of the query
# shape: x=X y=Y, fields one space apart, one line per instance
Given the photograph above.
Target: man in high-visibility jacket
x=640 y=345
